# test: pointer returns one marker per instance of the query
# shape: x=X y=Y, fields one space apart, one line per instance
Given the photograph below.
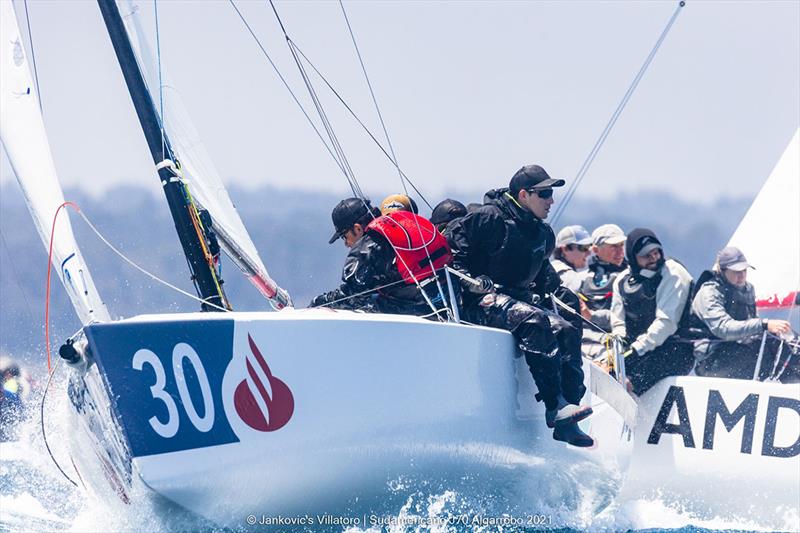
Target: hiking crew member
x=392 y=256
x=446 y=211
x=570 y=255
x=398 y=202
x=350 y=218
x=605 y=264
x=724 y=308
x=607 y=261
x=648 y=308
x=505 y=245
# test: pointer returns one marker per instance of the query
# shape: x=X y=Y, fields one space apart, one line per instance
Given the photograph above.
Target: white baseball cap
x=573 y=235
x=608 y=234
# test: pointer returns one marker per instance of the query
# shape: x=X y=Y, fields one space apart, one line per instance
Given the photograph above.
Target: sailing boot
x=565 y=413
x=572 y=434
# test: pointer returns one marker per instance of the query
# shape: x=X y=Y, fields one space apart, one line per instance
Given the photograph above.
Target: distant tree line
x=290 y=230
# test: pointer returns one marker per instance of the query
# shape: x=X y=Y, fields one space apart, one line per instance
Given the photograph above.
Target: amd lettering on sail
x=262 y=409
x=718 y=412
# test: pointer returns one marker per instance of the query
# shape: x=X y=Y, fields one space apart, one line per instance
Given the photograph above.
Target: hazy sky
x=470 y=91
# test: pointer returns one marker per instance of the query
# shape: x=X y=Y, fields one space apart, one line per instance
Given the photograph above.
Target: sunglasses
x=581 y=247
x=344 y=232
x=544 y=194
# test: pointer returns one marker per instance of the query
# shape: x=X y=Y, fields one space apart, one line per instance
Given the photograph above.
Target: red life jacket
x=416 y=243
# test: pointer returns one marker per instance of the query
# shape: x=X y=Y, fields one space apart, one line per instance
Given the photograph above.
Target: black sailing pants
x=670 y=359
x=552 y=352
x=737 y=360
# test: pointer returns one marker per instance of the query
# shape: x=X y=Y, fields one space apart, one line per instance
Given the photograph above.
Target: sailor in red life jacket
x=391 y=264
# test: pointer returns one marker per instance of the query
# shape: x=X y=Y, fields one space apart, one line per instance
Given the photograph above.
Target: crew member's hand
x=630 y=352
x=778 y=327
x=604 y=365
x=485 y=285
x=318 y=301
x=609 y=339
x=585 y=311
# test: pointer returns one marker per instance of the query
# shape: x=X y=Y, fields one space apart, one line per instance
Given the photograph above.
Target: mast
x=184 y=212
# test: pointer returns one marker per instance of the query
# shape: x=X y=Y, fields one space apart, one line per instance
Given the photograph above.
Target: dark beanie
x=638 y=238
x=447 y=210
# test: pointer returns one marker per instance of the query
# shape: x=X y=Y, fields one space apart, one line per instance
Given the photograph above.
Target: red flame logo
x=269 y=411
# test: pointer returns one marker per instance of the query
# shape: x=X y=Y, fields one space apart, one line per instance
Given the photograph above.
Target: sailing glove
x=319 y=301
x=485 y=285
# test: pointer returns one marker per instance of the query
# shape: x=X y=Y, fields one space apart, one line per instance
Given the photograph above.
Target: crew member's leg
x=535 y=338
x=531 y=330
x=669 y=359
x=541 y=350
x=569 y=334
x=729 y=360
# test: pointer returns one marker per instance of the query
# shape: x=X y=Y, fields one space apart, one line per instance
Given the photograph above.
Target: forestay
x=198 y=170
x=25 y=140
x=769 y=234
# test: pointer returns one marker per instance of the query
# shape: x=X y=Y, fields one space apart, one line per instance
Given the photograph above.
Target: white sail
x=769 y=234
x=203 y=180
x=23 y=135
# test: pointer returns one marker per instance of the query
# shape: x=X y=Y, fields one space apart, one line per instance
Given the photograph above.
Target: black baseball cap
x=532 y=177
x=447 y=210
x=347 y=213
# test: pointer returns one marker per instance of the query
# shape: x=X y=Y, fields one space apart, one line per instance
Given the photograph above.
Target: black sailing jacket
x=371 y=263
x=508 y=244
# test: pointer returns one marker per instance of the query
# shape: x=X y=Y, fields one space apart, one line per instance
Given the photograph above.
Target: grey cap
x=608 y=234
x=573 y=235
x=732 y=258
x=647 y=248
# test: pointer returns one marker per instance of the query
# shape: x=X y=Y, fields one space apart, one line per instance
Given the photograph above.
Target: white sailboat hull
x=376 y=396
x=373 y=396
x=719 y=447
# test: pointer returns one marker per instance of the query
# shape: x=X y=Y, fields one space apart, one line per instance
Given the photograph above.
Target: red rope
x=49 y=269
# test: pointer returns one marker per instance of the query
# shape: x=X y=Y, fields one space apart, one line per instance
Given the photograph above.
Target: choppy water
x=547 y=491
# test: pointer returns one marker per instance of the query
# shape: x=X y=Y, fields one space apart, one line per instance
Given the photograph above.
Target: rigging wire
x=286 y=84
x=47 y=290
x=133 y=264
x=160 y=84
x=41 y=419
x=33 y=57
x=371 y=91
x=375 y=290
x=348 y=171
x=325 y=121
x=391 y=148
x=50 y=370
x=338 y=96
x=363 y=126
x=613 y=120
x=335 y=142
